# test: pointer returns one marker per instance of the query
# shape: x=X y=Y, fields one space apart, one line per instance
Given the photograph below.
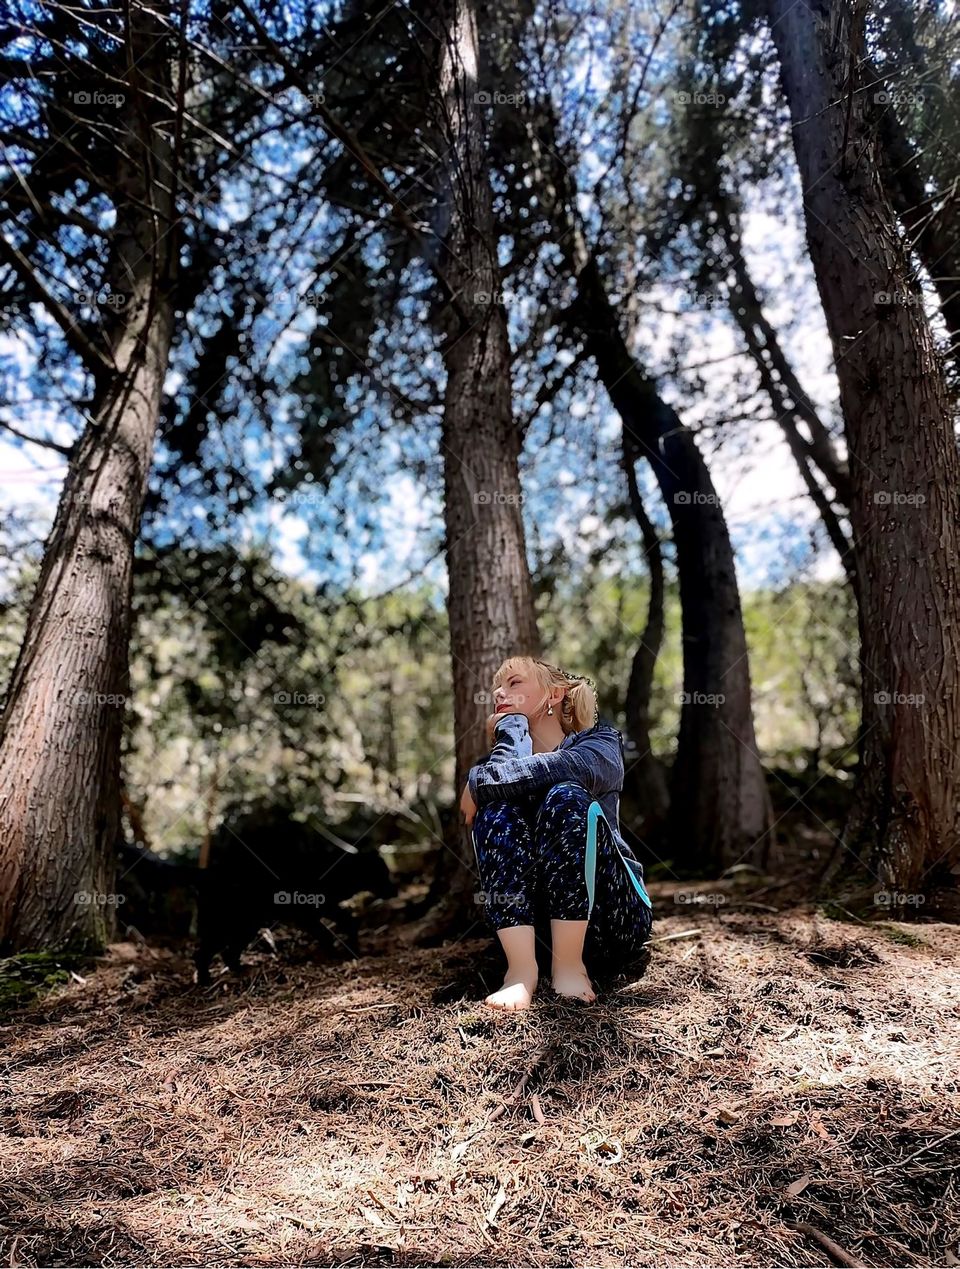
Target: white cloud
x=407 y=515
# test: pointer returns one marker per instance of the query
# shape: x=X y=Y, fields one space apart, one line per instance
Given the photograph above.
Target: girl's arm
x=514 y=771
x=511 y=739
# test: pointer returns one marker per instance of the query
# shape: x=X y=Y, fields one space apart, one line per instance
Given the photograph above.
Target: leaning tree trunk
x=930 y=219
x=645 y=778
x=490 y=601
x=719 y=805
x=61 y=730
x=904 y=465
x=788 y=398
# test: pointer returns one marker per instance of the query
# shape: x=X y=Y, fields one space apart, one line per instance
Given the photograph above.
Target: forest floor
x=770 y=1085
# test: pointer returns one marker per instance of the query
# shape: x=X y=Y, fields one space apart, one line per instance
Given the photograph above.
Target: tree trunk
x=490 y=601
x=211 y=805
x=930 y=219
x=719 y=805
x=645 y=778
x=791 y=404
x=61 y=730
x=904 y=466
x=779 y=381
x=134 y=812
x=720 y=809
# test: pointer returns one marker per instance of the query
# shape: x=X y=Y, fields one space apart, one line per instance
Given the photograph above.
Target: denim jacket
x=593 y=758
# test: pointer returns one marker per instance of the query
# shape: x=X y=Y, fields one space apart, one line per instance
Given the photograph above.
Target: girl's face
x=519 y=692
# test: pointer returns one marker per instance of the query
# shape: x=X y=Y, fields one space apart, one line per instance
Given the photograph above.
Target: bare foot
x=573 y=983
x=515 y=994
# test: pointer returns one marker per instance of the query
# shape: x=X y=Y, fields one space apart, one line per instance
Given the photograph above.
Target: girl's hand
x=468 y=808
x=494 y=719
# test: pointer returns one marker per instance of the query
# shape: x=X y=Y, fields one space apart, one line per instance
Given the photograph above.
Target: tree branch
x=43 y=441
x=93 y=357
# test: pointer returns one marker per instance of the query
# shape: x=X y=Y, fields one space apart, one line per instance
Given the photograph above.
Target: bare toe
x=574 y=984
x=512 y=996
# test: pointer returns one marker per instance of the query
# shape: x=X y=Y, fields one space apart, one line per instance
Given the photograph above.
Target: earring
x=549 y=709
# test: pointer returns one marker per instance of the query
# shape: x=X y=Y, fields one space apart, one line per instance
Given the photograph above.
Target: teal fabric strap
x=594 y=814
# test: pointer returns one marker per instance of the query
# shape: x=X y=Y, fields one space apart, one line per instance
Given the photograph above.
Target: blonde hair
x=578 y=708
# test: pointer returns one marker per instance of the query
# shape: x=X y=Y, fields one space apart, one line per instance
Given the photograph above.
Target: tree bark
x=61 y=730
x=719 y=805
x=211 y=805
x=490 y=602
x=720 y=809
x=646 y=778
x=779 y=380
x=904 y=466
x=930 y=219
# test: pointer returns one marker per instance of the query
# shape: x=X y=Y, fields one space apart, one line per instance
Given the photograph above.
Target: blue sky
x=763 y=498
x=761 y=492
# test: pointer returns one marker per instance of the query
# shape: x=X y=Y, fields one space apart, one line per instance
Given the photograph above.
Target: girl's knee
x=561 y=819
x=566 y=793
x=495 y=813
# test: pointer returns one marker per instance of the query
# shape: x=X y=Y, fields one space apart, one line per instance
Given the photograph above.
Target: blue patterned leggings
x=531 y=857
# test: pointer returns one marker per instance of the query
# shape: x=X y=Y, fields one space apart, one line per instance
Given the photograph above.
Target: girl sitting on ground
x=544 y=808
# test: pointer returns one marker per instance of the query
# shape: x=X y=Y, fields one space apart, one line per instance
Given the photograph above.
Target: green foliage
x=339 y=704
x=903 y=937
x=30 y=975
